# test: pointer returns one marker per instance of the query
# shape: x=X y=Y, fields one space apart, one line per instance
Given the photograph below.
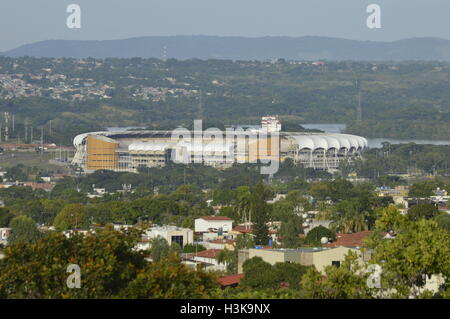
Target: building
x=349 y=240
x=398 y=191
x=246 y=229
x=319 y=257
x=207 y=259
x=207 y=223
x=220 y=244
x=173 y=234
x=4 y=235
x=130 y=150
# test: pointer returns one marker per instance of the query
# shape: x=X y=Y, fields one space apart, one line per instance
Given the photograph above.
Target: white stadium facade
x=130 y=150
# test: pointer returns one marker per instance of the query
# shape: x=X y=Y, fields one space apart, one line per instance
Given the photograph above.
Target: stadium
x=129 y=150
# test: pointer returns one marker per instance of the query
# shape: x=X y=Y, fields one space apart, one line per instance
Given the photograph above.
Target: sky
x=29 y=21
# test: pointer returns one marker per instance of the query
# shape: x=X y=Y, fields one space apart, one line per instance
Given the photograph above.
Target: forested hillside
x=398 y=100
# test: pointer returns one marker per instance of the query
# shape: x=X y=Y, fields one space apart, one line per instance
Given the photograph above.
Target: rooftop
x=215 y=218
x=349 y=240
x=230 y=280
x=210 y=253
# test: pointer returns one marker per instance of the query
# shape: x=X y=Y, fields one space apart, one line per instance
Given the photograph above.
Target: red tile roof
x=223 y=241
x=210 y=253
x=249 y=229
x=349 y=240
x=215 y=218
x=230 y=280
x=243 y=229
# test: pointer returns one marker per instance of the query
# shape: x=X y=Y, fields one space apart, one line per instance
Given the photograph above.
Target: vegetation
x=400 y=100
x=23 y=231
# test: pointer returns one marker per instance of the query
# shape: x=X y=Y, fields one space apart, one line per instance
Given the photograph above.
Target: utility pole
x=42 y=140
x=6 y=115
x=26 y=131
x=200 y=106
x=359 y=108
x=164 y=54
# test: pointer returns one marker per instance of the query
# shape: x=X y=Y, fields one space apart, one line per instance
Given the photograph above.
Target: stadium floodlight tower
x=271 y=123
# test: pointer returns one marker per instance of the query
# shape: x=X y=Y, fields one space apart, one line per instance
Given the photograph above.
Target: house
x=349 y=240
x=120 y=227
x=70 y=232
x=247 y=229
x=242 y=229
x=4 y=235
x=181 y=236
x=319 y=257
x=206 y=223
x=220 y=244
x=207 y=259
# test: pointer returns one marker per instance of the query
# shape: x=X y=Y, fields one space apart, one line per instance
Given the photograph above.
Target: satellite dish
x=324 y=240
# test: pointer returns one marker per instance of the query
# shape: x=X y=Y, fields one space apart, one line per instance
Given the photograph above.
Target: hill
x=242 y=48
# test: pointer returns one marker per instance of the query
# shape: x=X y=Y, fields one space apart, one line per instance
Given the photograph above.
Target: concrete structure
x=131 y=150
x=207 y=223
x=317 y=257
x=181 y=236
x=219 y=244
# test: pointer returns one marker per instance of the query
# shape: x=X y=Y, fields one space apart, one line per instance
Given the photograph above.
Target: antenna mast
x=359 y=107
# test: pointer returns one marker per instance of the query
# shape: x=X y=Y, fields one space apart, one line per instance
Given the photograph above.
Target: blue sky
x=27 y=21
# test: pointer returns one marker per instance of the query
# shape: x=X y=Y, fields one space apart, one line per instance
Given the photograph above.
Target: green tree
x=290 y=230
x=260 y=214
x=229 y=258
x=420 y=249
x=390 y=219
x=422 y=189
x=5 y=217
x=175 y=248
x=244 y=241
x=159 y=248
x=315 y=235
x=348 y=281
x=107 y=261
x=422 y=211
x=168 y=278
x=192 y=248
x=258 y=274
x=243 y=197
x=23 y=231
x=443 y=221
x=72 y=216
x=290 y=273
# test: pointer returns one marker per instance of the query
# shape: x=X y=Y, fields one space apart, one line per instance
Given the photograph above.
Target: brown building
x=102 y=153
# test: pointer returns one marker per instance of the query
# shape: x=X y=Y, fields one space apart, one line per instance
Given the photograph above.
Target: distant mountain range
x=243 y=48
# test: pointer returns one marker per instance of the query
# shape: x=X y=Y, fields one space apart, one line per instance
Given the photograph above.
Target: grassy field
x=30 y=159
